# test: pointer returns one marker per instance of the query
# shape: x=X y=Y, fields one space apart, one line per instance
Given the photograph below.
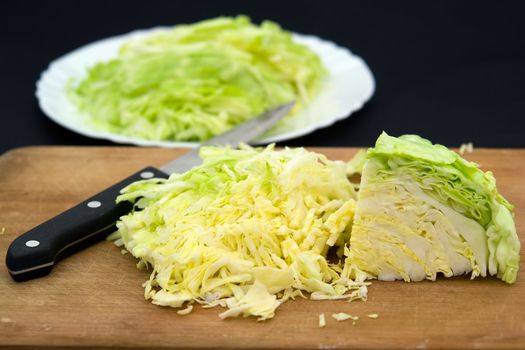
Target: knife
x=34 y=253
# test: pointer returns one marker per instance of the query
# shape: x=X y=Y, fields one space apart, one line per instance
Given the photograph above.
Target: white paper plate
x=347 y=87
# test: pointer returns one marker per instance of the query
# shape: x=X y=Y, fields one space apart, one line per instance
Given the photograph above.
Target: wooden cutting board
x=95 y=298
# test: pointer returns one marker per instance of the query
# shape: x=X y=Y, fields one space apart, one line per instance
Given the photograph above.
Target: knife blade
x=36 y=252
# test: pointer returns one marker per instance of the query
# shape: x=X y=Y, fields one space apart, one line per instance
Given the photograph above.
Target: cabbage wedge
x=422 y=210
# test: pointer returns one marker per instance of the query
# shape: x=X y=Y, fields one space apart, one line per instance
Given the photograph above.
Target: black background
x=450 y=71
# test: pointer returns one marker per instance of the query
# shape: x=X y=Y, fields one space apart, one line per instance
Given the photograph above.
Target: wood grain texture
x=95 y=298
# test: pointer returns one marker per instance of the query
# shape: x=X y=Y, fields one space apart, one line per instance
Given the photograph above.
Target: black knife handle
x=34 y=253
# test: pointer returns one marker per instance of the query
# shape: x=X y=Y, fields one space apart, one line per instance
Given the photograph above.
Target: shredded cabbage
x=424 y=210
x=195 y=81
x=343 y=316
x=247 y=230
x=322 y=321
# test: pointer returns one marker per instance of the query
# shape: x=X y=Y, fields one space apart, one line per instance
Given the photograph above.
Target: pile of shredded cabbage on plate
x=253 y=227
x=193 y=82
